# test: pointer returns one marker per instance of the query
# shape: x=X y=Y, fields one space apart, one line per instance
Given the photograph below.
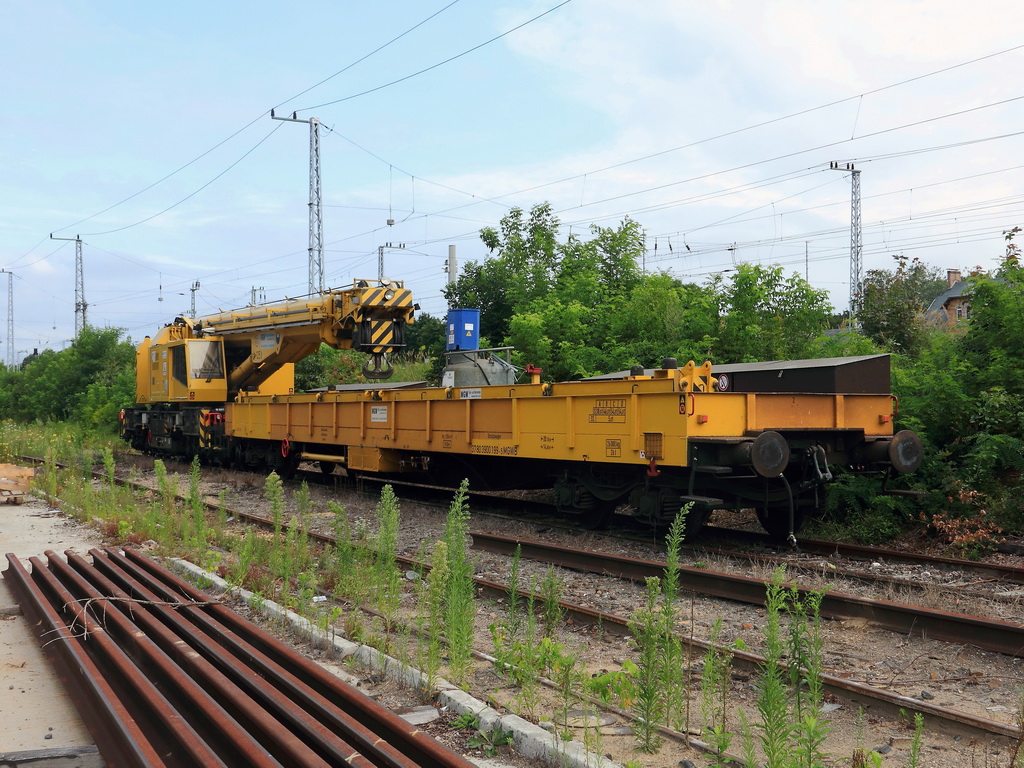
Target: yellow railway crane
x=195 y=366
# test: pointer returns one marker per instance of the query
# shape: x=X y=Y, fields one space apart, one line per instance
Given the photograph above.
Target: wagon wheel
x=598 y=517
x=588 y=511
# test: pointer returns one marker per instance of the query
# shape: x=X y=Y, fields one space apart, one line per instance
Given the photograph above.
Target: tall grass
x=647 y=626
x=388 y=580
x=714 y=703
x=789 y=730
x=772 y=701
x=459 y=603
x=673 y=661
x=431 y=593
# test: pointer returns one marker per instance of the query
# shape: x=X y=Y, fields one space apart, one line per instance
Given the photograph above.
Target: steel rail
x=208 y=695
x=183 y=676
x=407 y=739
x=610 y=622
x=161 y=729
x=993 y=571
x=218 y=732
x=222 y=647
x=104 y=713
x=989 y=634
x=848 y=689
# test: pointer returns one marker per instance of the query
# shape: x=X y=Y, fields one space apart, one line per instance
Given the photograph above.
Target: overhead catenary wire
x=249 y=124
x=591 y=172
x=450 y=59
x=191 y=194
x=474 y=234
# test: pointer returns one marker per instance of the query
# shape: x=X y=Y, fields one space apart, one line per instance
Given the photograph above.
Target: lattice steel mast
x=856 y=267
x=316 y=208
x=80 y=304
x=10 y=317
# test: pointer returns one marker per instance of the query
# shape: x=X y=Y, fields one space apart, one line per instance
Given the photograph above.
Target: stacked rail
x=162 y=674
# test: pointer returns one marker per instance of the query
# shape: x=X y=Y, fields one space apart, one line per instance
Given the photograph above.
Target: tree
x=528 y=248
x=663 y=317
x=482 y=285
x=994 y=340
x=89 y=381
x=554 y=301
x=425 y=339
x=766 y=316
x=520 y=270
x=892 y=303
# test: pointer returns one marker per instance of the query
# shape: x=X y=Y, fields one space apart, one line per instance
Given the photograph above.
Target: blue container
x=463 y=329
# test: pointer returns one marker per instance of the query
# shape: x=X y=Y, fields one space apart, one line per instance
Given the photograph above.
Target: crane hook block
x=377 y=367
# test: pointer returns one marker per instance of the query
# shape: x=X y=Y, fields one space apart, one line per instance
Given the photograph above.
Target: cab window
x=206 y=360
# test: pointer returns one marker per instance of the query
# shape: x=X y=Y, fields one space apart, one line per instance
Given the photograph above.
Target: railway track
x=994 y=572
x=768 y=550
x=991 y=634
x=163 y=675
x=844 y=688
x=1003 y=637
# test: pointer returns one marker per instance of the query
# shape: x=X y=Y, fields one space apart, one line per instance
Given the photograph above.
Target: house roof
x=953 y=292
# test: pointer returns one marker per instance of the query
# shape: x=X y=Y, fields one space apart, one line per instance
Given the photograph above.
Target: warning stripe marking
x=375 y=297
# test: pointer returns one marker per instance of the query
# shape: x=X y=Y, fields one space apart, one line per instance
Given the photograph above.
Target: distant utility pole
x=452 y=265
x=193 y=289
x=80 y=303
x=316 y=208
x=856 y=268
x=10 y=317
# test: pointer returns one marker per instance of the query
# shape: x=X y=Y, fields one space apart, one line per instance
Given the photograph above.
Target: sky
x=145 y=130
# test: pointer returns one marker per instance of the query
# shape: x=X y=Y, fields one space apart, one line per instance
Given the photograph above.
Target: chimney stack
x=952 y=277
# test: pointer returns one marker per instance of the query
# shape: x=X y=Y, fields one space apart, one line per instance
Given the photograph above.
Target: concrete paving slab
x=35 y=711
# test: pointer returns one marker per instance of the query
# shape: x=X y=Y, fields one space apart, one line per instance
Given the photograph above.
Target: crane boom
x=213 y=358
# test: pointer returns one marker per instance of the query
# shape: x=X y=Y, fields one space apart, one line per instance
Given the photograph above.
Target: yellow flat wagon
x=654 y=441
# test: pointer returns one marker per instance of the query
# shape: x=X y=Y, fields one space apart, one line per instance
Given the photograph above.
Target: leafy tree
x=317 y=370
x=89 y=381
x=328 y=366
x=964 y=394
x=660 y=317
x=553 y=301
x=844 y=342
x=994 y=341
x=557 y=338
x=482 y=285
x=604 y=266
x=528 y=248
x=764 y=315
x=424 y=339
x=521 y=269
x=112 y=390
x=892 y=303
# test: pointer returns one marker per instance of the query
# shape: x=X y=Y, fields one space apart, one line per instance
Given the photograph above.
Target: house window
x=959 y=311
